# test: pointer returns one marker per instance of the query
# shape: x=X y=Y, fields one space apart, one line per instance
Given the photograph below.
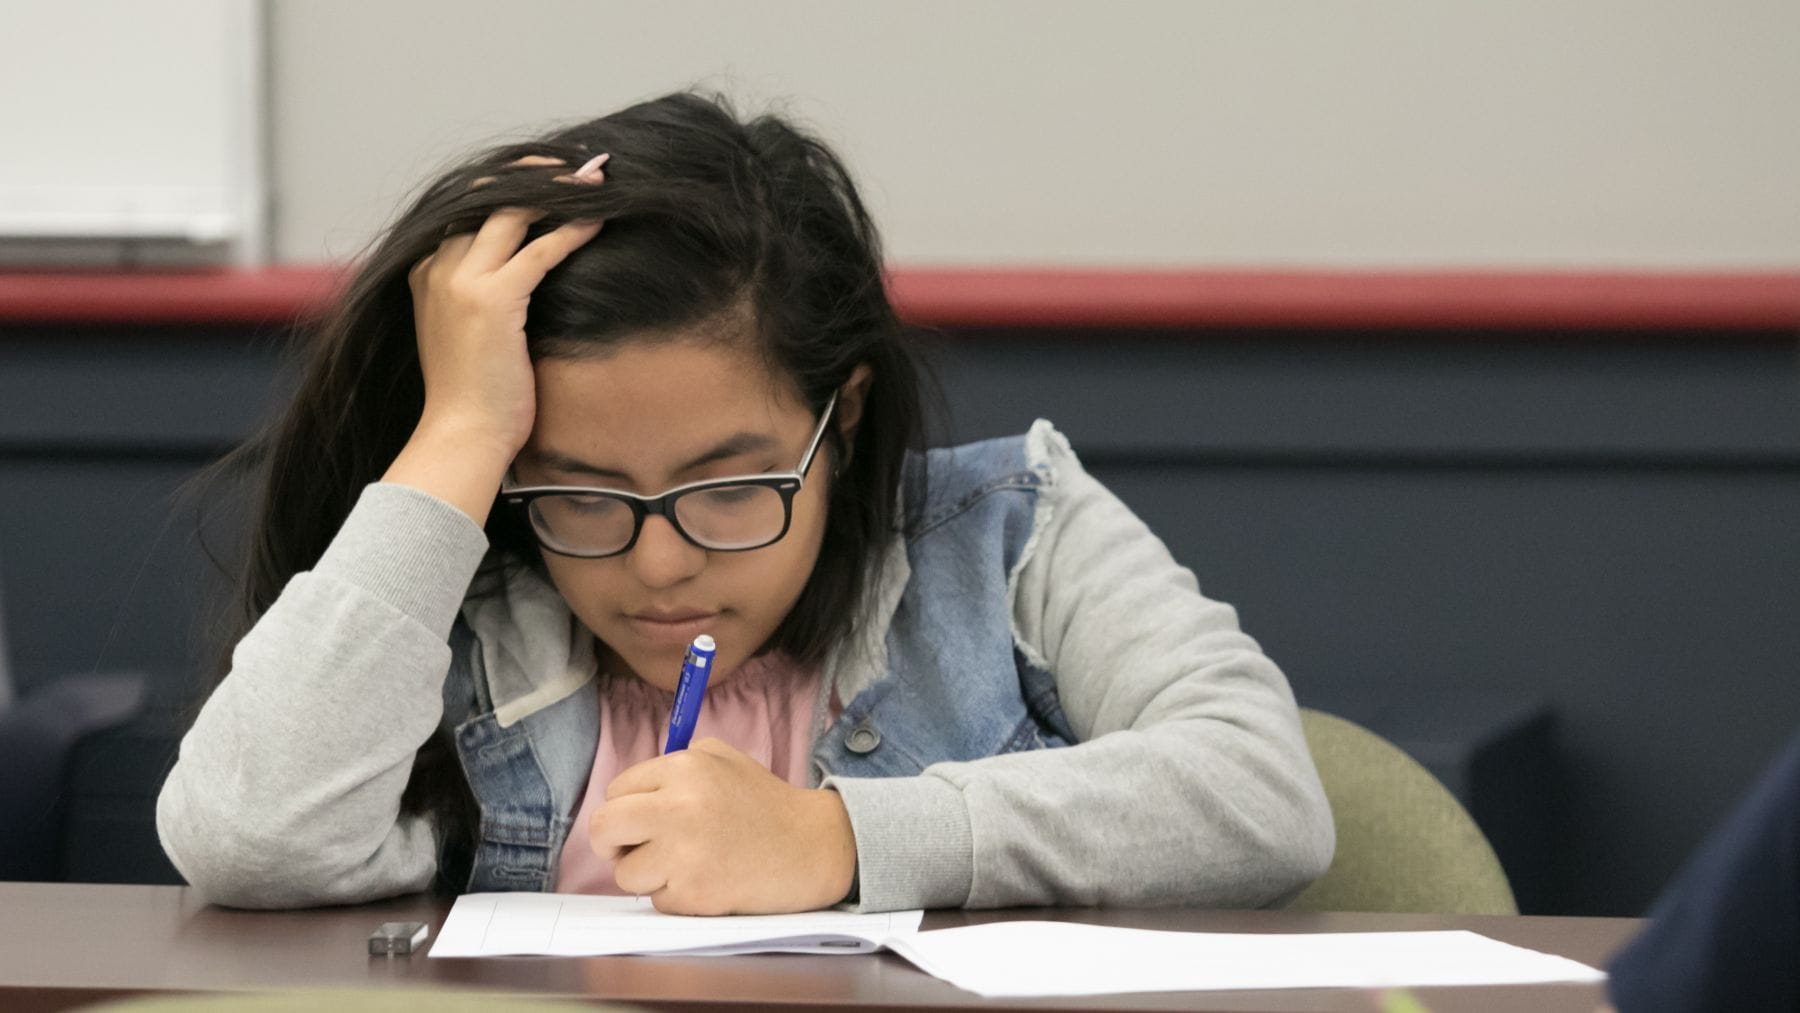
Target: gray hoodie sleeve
x=287 y=788
x=1192 y=783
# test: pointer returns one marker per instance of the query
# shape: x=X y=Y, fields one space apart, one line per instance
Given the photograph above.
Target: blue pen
x=696 y=668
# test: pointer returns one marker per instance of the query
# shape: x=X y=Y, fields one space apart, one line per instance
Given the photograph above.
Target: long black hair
x=707 y=214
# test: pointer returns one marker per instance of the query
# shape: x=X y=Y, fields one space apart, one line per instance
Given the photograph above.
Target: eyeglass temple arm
x=818 y=434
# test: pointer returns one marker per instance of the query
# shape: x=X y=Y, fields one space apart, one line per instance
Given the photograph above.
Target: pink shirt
x=765 y=710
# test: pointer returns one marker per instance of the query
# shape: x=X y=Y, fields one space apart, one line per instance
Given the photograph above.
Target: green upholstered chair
x=1403 y=841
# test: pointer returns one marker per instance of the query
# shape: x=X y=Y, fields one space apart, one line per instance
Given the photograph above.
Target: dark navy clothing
x=1726 y=935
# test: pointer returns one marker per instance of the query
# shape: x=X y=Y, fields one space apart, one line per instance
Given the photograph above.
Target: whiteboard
x=133 y=120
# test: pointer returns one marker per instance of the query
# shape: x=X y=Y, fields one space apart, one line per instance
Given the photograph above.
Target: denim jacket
x=952 y=687
x=1038 y=707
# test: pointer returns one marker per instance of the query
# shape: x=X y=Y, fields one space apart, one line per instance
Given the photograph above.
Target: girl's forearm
x=461 y=466
x=287 y=789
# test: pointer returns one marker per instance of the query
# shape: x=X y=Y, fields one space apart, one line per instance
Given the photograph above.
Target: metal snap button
x=862 y=739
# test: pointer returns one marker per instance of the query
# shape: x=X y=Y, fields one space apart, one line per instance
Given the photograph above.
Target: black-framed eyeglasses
x=734 y=514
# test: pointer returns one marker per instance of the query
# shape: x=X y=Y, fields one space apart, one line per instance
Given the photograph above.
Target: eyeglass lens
x=724 y=518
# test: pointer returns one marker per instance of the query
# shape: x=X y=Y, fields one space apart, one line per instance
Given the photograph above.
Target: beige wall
x=1251 y=132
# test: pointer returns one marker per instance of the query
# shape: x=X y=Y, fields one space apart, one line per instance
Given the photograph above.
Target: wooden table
x=64 y=945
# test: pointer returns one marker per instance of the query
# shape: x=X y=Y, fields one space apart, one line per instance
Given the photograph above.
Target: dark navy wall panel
x=1609 y=526
x=1652 y=610
x=1454 y=397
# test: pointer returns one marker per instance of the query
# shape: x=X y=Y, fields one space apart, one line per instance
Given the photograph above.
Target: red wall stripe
x=1052 y=298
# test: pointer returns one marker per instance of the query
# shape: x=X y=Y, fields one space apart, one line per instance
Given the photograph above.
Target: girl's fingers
x=593 y=178
x=590 y=171
x=527 y=160
x=416 y=275
x=438 y=262
x=496 y=245
x=499 y=238
x=715 y=747
x=453 y=246
x=444 y=259
x=530 y=264
x=620 y=824
x=646 y=775
x=641 y=872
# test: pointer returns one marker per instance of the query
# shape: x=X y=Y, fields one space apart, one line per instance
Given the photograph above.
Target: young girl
x=531 y=460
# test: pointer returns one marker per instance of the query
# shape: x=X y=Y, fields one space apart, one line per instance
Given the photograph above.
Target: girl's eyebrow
x=731 y=446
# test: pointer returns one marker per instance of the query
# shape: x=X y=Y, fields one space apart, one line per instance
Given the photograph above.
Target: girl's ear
x=850 y=403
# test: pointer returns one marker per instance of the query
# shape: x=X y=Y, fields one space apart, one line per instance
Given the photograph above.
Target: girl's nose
x=662 y=557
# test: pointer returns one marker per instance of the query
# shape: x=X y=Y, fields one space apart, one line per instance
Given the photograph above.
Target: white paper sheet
x=1004 y=959
x=1017 y=959
x=579 y=925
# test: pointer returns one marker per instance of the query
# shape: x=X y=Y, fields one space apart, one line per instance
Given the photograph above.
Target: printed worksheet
x=1019 y=959
x=581 y=925
x=1005 y=958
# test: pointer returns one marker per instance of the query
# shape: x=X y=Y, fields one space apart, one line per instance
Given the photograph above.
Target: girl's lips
x=681 y=631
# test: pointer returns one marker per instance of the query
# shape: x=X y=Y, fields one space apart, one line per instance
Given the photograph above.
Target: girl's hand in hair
x=709 y=831
x=469 y=303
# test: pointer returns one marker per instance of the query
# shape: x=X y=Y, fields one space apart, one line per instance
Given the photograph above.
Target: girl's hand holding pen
x=708 y=831
x=469 y=304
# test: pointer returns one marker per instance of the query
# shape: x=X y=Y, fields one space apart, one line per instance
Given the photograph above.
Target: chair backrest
x=1403 y=841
